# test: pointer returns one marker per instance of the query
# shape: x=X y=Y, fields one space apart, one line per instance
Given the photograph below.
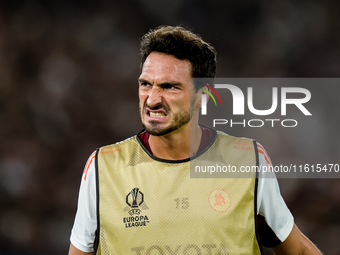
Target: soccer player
x=137 y=197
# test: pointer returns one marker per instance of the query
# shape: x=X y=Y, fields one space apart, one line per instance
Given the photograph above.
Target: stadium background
x=68 y=84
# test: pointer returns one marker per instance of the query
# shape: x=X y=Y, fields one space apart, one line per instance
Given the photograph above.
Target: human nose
x=154 y=97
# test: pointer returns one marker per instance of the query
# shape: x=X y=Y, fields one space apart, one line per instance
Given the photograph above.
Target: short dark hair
x=183 y=44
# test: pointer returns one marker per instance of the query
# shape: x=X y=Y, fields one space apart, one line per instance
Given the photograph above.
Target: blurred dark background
x=68 y=84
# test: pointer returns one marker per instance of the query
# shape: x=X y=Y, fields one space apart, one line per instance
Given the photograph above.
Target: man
x=137 y=197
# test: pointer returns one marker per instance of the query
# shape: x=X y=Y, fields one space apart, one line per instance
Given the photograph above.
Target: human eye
x=144 y=84
x=168 y=86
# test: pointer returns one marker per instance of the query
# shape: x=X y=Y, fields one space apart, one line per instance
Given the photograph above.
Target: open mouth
x=156 y=114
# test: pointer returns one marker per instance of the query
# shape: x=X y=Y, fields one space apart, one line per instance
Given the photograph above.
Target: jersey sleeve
x=276 y=220
x=85 y=223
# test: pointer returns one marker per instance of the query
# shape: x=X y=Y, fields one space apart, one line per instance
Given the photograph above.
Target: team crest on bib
x=219 y=200
x=136 y=203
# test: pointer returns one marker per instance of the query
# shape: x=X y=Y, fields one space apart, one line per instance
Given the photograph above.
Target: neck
x=177 y=145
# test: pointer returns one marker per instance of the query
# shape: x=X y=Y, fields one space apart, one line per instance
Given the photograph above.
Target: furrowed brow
x=172 y=83
x=143 y=80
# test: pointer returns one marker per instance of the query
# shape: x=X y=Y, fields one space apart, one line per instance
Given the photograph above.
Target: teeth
x=157 y=114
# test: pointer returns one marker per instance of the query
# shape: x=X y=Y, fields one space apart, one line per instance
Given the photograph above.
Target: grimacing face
x=166 y=95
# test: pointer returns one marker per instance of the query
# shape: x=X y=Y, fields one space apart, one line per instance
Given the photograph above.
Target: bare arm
x=296 y=243
x=74 y=251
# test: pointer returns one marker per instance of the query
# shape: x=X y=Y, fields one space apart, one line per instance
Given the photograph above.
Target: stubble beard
x=179 y=120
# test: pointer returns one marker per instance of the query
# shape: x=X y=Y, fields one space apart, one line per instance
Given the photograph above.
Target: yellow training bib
x=149 y=206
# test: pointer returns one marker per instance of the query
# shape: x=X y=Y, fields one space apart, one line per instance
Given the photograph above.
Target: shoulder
x=238 y=141
x=263 y=156
x=121 y=144
x=89 y=165
x=242 y=145
x=89 y=169
x=119 y=148
x=131 y=141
